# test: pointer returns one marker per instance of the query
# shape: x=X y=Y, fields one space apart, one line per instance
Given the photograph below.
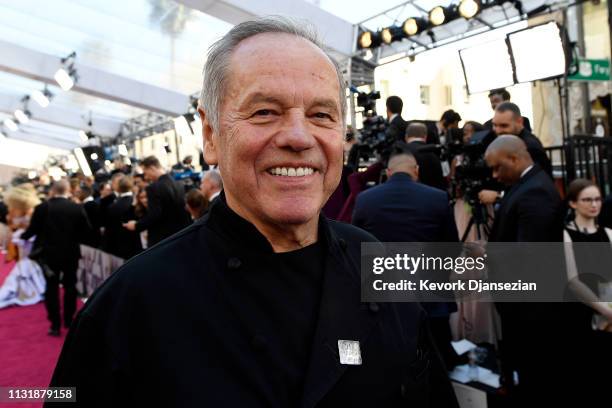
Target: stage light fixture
x=66 y=76
x=94 y=156
x=80 y=156
x=43 y=98
x=391 y=34
x=83 y=136
x=469 y=8
x=414 y=26
x=369 y=39
x=11 y=125
x=441 y=15
x=23 y=116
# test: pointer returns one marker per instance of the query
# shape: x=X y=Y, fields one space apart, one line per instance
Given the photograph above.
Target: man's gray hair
x=215 y=177
x=219 y=55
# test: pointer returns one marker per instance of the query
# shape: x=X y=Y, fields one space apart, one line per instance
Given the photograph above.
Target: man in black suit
x=530 y=211
x=259 y=303
x=117 y=240
x=508 y=121
x=397 y=125
x=430 y=167
x=497 y=97
x=59 y=226
x=166 y=212
x=92 y=209
x=402 y=210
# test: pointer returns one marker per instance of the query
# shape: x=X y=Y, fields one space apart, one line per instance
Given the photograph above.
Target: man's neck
x=282 y=238
x=416 y=139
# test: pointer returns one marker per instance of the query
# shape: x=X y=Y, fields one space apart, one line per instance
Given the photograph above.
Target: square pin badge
x=350 y=352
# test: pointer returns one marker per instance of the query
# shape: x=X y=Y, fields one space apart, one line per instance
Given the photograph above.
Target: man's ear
x=210 y=147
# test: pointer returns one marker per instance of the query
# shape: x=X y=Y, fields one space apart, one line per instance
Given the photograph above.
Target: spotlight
x=66 y=76
x=11 y=125
x=64 y=79
x=369 y=39
x=391 y=34
x=83 y=136
x=94 y=156
x=440 y=15
x=469 y=8
x=22 y=116
x=42 y=97
x=414 y=25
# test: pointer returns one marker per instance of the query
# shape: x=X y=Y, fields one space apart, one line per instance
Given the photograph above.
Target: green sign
x=592 y=70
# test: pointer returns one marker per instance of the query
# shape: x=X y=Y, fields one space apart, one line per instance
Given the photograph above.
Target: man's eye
x=323 y=115
x=263 y=112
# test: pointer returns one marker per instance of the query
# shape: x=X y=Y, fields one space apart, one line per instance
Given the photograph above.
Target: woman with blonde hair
x=25 y=284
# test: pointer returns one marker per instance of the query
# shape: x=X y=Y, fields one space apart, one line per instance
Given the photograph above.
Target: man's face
x=149 y=173
x=504 y=167
x=279 y=148
x=206 y=187
x=495 y=100
x=506 y=123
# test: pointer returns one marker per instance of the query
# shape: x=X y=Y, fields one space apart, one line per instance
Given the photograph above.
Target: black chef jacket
x=170 y=328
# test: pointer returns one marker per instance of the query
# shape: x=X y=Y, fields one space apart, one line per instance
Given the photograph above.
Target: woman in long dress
x=25 y=283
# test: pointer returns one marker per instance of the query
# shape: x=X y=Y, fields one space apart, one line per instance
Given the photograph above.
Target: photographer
x=497 y=97
x=397 y=125
x=508 y=121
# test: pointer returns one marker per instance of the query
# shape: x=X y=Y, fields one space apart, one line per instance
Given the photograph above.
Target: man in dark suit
x=508 y=121
x=430 y=167
x=117 y=240
x=166 y=212
x=497 y=97
x=92 y=209
x=402 y=210
x=59 y=226
x=530 y=211
x=259 y=303
x=397 y=125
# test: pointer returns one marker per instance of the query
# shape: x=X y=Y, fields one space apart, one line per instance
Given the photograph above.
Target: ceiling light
x=390 y=34
x=469 y=8
x=94 y=156
x=11 y=125
x=63 y=79
x=42 y=97
x=83 y=136
x=369 y=39
x=22 y=117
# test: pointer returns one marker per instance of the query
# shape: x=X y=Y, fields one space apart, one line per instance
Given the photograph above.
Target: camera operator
x=430 y=167
x=508 y=121
x=397 y=125
x=438 y=134
x=497 y=97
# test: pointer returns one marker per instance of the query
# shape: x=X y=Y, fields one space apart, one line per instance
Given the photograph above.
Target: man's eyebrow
x=326 y=103
x=259 y=97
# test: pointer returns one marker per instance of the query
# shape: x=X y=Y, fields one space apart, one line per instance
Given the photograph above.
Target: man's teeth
x=291 y=171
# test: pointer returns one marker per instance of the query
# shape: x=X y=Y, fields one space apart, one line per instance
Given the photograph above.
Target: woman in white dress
x=25 y=283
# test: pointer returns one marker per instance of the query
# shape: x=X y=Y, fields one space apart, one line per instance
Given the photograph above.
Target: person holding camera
x=508 y=121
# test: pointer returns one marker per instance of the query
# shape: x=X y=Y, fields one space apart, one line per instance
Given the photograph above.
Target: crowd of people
x=258 y=302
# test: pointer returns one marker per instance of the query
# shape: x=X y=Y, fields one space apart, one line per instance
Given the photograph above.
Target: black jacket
x=605 y=217
x=396 y=129
x=531 y=211
x=489 y=124
x=166 y=212
x=60 y=225
x=164 y=331
x=430 y=167
x=536 y=151
x=94 y=215
x=118 y=240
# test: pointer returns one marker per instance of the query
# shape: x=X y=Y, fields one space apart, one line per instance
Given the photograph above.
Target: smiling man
x=259 y=303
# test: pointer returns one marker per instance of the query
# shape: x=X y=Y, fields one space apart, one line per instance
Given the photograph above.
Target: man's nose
x=295 y=134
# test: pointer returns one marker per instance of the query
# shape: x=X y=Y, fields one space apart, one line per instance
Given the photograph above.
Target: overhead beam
x=45 y=140
x=58 y=116
x=335 y=32
x=92 y=81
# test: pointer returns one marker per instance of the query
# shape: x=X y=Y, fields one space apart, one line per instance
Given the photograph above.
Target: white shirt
x=88 y=199
x=126 y=194
x=526 y=171
x=392 y=117
x=214 y=195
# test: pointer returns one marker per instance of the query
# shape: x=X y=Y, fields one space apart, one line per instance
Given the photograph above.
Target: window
x=424 y=92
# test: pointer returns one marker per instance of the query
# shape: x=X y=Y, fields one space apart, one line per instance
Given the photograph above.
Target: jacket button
x=342 y=244
x=374 y=308
x=259 y=342
x=234 y=263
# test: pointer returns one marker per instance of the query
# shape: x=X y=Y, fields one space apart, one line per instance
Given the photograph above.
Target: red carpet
x=27 y=354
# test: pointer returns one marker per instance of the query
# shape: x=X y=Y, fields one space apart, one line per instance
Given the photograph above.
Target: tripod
x=479 y=219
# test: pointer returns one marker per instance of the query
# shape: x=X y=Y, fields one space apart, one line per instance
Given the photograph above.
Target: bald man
x=530 y=211
x=402 y=210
